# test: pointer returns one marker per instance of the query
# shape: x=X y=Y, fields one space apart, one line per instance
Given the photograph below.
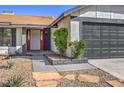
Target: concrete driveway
x=113 y=66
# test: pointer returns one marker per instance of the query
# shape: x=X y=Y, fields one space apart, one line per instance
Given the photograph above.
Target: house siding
x=92 y=11
x=101 y=11
x=64 y=23
x=95 y=11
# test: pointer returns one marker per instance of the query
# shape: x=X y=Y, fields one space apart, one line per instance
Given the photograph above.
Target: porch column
x=19 y=40
x=28 y=34
x=41 y=39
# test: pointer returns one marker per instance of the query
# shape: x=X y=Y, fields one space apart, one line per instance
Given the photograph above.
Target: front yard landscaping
x=88 y=78
x=22 y=67
x=82 y=78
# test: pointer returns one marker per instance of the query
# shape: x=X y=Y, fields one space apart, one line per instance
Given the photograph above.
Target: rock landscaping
x=115 y=83
x=55 y=59
x=87 y=78
x=22 y=66
x=82 y=78
x=70 y=77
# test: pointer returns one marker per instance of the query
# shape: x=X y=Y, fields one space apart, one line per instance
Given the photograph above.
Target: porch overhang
x=22 y=25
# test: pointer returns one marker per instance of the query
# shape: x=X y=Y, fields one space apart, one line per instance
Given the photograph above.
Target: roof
x=68 y=12
x=24 y=20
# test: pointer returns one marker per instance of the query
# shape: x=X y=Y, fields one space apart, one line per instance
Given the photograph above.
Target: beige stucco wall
x=53 y=47
x=64 y=23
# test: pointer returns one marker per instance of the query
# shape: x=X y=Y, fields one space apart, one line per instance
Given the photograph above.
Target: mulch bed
x=22 y=66
x=103 y=78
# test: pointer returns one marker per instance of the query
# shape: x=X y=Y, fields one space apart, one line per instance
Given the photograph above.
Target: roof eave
x=66 y=13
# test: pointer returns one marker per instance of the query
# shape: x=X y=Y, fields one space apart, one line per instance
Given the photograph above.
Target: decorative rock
x=46 y=84
x=70 y=77
x=115 y=83
x=46 y=76
x=88 y=78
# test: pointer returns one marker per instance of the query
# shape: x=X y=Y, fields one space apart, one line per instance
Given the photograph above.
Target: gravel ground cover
x=97 y=72
x=22 y=66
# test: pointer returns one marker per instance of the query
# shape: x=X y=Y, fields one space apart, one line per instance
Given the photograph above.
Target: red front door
x=41 y=39
x=28 y=39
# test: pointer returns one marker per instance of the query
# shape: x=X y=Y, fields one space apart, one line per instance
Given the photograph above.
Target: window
x=5 y=37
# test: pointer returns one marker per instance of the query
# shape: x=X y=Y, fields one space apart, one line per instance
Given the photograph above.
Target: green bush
x=60 y=38
x=15 y=81
x=10 y=63
x=77 y=48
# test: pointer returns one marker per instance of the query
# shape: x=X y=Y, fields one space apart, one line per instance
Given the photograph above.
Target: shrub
x=10 y=63
x=60 y=38
x=77 y=48
x=15 y=81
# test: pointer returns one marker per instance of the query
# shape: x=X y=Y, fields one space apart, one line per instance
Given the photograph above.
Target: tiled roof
x=22 y=19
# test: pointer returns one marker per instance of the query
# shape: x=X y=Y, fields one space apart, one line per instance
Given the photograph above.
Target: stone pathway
x=52 y=79
x=46 y=79
x=48 y=76
x=49 y=83
x=41 y=64
x=88 y=78
x=73 y=67
x=115 y=83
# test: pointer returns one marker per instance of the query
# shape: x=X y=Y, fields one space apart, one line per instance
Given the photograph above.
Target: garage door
x=103 y=40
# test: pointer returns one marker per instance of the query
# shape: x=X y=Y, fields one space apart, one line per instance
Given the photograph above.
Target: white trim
x=5 y=50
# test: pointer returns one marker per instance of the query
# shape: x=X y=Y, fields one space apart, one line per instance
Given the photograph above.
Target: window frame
x=4 y=37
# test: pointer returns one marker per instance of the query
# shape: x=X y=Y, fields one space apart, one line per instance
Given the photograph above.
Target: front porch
x=20 y=40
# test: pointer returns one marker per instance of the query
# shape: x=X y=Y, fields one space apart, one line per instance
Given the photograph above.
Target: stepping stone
x=70 y=77
x=115 y=83
x=46 y=76
x=88 y=78
x=46 y=84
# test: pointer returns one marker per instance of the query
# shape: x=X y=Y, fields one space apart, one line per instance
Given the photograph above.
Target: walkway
x=40 y=64
x=113 y=66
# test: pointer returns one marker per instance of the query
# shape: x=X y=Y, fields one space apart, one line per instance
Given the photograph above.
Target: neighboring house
x=101 y=26
x=19 y=34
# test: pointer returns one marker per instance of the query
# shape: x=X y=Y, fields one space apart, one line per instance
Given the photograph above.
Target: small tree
x=77 y=48
x=60 y=38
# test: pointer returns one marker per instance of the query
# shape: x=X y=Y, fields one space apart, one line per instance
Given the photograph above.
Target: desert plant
x=60 y=38
x=15 y=81
x=77 y=48
x=10 y=63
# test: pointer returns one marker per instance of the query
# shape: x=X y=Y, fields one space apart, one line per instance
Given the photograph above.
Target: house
x=20 y=33
x=101 y=26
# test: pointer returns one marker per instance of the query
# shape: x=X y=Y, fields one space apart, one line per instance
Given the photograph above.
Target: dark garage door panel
x=103 y=40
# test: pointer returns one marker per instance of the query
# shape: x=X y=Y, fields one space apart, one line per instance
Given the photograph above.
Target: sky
x=37 y=10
